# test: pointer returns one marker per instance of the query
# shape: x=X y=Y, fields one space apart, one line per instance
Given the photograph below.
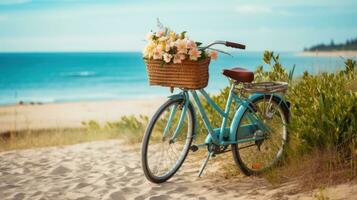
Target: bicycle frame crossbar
x=219 y=135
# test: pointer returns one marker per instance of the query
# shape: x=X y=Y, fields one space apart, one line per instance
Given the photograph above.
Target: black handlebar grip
x=235 y=45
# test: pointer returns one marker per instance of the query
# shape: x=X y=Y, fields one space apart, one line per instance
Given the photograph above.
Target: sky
x=108 y=25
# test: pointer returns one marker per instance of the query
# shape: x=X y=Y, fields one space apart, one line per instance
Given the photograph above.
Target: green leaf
x=183 y=34
x=267 y=56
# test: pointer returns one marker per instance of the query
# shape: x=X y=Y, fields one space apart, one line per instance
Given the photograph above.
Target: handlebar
x=226 y=43
x=235 y=45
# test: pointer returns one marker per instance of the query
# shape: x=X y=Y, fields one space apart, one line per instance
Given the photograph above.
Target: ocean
x=67 y=77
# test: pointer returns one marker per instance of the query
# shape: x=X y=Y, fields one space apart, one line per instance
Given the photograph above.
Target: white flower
x=171 y=43
x=194 y=54
x=167 y=57
x=181 y=45
x=149 y=36
x=213 y=55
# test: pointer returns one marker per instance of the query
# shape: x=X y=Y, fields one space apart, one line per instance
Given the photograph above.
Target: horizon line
x=129 y=51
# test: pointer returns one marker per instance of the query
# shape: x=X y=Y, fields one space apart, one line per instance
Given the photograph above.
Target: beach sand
x=70 y=115
x=346 y=54
x=112 y=170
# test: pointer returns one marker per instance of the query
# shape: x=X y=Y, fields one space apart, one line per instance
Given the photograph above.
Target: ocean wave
x=79 y=74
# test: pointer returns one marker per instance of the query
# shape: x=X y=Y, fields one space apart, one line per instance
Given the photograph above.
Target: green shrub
x=323 y=106
x=323 y=111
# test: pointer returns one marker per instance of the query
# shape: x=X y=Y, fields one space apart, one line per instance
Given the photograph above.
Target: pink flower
x=194 y=54
x=159 y=34
x=191 y=44
x=181 y=45
x=182 y=56
x=158 y=52
x=213 y=55
x=167 y=57
x=178 y=58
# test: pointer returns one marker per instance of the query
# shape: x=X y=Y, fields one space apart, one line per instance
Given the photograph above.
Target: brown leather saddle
x=239 y=74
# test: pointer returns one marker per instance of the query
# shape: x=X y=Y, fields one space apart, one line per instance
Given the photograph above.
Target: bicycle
x=257 y=133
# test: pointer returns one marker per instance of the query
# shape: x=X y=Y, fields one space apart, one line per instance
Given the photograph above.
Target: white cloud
x=253 y=9
x=10 y=2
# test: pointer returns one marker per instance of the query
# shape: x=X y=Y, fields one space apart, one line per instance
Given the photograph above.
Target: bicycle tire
x=236 y=148
x=145 y=144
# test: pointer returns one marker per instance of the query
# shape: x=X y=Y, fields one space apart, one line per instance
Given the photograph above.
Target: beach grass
x=51 y=137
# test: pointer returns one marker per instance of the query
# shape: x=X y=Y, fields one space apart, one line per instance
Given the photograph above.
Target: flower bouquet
x=173 y=60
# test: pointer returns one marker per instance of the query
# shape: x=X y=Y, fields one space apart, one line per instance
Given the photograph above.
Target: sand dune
x=112 y=170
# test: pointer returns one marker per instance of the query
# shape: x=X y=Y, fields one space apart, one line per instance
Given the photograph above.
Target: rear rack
x=265 y=87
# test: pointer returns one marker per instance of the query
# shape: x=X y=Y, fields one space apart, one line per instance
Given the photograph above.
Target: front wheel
x=163 y=153
x=257 y=156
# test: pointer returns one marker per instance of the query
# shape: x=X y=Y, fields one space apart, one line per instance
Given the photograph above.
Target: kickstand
x=204 y=164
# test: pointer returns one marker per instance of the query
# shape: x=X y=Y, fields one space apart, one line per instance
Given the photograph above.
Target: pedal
x=194 y=148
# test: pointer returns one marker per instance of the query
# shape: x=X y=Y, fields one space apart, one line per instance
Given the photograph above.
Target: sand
x=112 y=170
x=346 y=54
x=70 y=115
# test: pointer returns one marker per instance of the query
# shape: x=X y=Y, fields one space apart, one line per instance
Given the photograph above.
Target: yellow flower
x=149 y=50
x=172 y=36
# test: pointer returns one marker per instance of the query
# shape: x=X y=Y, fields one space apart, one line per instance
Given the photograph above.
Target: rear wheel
x=162 y=155
x=257 y=156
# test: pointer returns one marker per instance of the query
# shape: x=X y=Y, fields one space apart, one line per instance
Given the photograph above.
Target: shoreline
x=18 y=117
x=328 y=53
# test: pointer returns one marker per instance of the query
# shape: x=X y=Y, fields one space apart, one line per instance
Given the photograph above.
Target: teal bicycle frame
x=223 y=135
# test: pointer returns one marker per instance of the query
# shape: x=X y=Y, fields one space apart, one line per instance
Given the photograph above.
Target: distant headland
x=349 y=45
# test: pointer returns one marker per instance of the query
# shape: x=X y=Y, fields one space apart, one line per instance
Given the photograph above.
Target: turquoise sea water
x=62 y=77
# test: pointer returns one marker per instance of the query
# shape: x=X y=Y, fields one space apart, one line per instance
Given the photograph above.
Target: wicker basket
x=187 y=75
